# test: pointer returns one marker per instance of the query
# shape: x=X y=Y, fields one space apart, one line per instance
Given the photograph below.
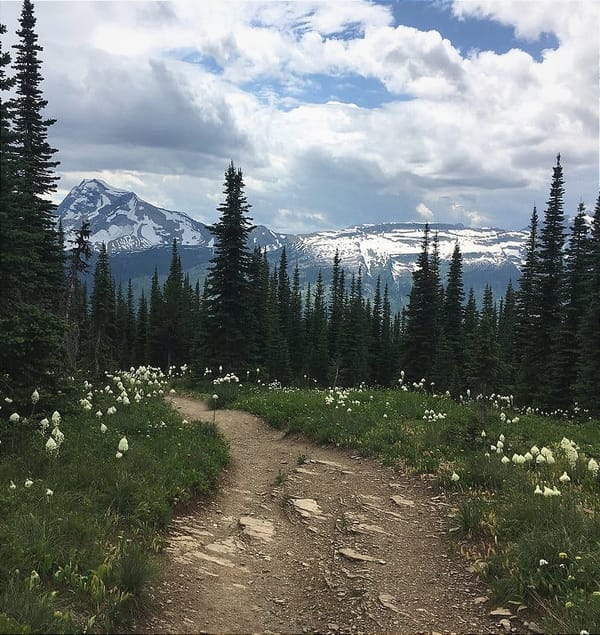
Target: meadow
x=90 y=479
x=529 y=516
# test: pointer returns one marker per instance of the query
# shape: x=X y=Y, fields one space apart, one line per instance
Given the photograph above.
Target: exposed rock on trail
x=302 y=538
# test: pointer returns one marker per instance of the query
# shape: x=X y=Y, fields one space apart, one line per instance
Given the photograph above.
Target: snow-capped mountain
x=139 y=236
x=125 y=222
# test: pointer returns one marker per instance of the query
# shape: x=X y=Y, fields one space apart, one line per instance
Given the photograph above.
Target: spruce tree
x=173 y=314
x=506 y=340
x=483 y=358
x=577 y=276
x=228 y=286
x=449 y=373
x=103 y=315
x=587 y=386
x=549 y=390
x=156 y=331
x=31 y=329
x=526 y=358
x=296 y=340
x=141 y=332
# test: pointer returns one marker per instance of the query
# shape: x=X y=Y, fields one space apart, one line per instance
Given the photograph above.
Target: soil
x=302 y=538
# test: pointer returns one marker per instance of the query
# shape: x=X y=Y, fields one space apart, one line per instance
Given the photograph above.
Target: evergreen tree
x=549 y=390
x=31 y=262
x=319 y=357
x=336 y=309
x=228 y=288
x=577 y=275
x=587 y=386
x=506 y=339
x=103 y=315
x=526 y=357
x=156 y=332
x=173 y=315
x=141 y=332
x=450 y=359
x=483 y=359
x=296 y=341
x=420 y=341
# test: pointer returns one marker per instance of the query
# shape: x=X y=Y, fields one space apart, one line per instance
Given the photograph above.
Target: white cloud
x=424 y=212
x=479 y=131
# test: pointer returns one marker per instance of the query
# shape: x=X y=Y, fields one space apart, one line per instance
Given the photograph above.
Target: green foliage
x=93 y=541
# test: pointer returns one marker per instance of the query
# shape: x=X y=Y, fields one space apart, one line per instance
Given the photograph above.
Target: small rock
x=333 y=627
x=482 y=599
x=501 y=612
x=257 y=527
x=349 y=553
x=532 y=627
x=307 y=507
x=402 y=502
x=505 y=625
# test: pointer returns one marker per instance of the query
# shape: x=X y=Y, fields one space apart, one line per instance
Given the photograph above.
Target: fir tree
x=103 y=315
x=228 y=288
x=156 y=331
x=173 y=310
x=141 y=332
x=296 y=340
x=587 y=386
x=549 y=389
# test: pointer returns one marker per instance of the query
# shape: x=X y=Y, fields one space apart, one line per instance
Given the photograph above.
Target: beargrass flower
x=548 y=491
x=56 y=417
x=483 y=434
x=564 y=478
x=538 y=490
x=28 y=482
x=12 y=486
x=111 y=410
x=35 y=397
x=528 y=456
x=534 y=450
x=502 y=438
x=455 y=477
x=505 y=460
x=118 y=455
x=593 y=466
x=562 y=555
x=540 y=458
x=123 y=445
x=99 y=414
x=51 y=445
x=14 y=417
x=215 y=397
x=543 y=562
x=49 y=492
x=103 y=428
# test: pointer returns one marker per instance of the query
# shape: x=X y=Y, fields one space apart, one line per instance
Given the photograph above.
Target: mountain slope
x=139 y=235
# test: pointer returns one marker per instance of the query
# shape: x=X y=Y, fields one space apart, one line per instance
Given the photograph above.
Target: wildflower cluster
x=431 y=415
x=230 y=378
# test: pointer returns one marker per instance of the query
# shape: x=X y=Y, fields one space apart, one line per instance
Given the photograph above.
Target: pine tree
x=336 y=309
x=228 y=287
x=296 y=340
x=319 y=357
x=506 y=340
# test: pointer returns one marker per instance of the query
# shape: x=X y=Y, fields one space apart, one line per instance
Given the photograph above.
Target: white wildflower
x=51 y=445
x=534 y=450
x=123 y=445
x=593 y=466
x=49 y=492
x=538 y=490
x=103 y=428
x=564 y=478
x=14 y=417
x=28 y=482
x=540 y=459
x=35 y=397
x=12 y=486
x=99 y=414
x=118 y=455
x=505 y=460
x=543 y=562
x=455 y=477
x=528 y=456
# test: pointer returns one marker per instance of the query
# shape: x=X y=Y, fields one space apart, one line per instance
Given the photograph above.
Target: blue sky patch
x=465 y=34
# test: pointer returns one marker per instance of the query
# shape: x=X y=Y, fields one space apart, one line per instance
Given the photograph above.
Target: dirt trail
x=302 y=538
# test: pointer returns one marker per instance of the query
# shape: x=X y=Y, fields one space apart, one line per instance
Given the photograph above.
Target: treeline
x=540 y=342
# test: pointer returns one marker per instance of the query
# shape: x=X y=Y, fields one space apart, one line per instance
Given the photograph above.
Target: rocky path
x=302 y=539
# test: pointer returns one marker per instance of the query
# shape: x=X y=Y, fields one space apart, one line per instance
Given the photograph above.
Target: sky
x=338 y=112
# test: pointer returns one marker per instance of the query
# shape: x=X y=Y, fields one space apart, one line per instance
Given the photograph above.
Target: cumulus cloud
x=424 y=212
x=160 y=96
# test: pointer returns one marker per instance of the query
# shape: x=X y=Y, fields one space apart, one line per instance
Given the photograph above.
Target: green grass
x=81 y=558
x=515 y=531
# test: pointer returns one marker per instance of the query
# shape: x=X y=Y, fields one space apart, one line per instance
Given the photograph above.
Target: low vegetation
x=85 y=494
x=530 y=511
